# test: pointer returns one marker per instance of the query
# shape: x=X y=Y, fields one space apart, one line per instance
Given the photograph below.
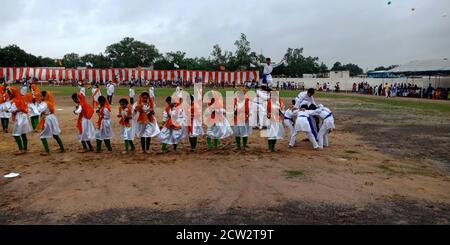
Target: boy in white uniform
x=289 y=120
x=110 y=92
x=131 y=93
x=304 y=124
x=327 y=125
x=305 y=97
x=267 y=74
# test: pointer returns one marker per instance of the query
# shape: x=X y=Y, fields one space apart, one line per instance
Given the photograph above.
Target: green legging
x=145 y=143
x=164 y=147
x=107 y=143
x=129 y=143
x=22 y=142
x=34 y=122
x=87 y=144
x=244 y=142
x=272 y=144
x=58 y=139
x=5 y=123
x=193 y=142
x=210 y=144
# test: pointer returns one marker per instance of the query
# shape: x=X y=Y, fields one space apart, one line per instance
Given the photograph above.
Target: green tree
x=72 y=60
x=242 y=53
x=132 y=53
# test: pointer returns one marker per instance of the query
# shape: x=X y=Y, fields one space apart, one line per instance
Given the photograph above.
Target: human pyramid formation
x=181 y=118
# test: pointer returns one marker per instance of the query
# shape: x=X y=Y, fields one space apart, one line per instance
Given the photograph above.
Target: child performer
x=82 y=88
x=268 y=68
x=131 y=93
x=327 y=125
x=24 y=88
x=5 y=104
x=86 y=130
x=275 y=129
x=96 y=93
x=289 y=120
x=104 y=131
x=242 y=128
x=195 y=127
x=174 y=129
x=304 y=123
x=126 y=124
x=33 y=98
x=146 y=126
x=218 y=126
x=19 y=110
x=151 y=92
x=49 y=123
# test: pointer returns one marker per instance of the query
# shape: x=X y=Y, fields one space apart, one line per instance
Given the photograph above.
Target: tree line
x=130 y=53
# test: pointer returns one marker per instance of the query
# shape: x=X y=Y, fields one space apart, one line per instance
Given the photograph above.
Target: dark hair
x=304 y=106
x=123 y=101
x=294 y=102
x=75 y=96
x=192 y=99
x=311 y=91
x=169 y=100
x=145 y=94
x=313 y=107
x=101 y=99
x=268 y=58
x=43 y=93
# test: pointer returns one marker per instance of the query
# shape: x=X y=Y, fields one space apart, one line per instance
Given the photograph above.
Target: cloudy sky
x=366 y=32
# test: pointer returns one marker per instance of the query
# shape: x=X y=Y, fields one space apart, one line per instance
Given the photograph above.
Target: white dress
x=4 y=109
x=174 y=136
x=147 y=130
x=197 y=129
x=88 y=129
x=21 y=124
x=242 y=129
x=105 y=132
x=127 y=133
x=51 y=126
x=275 y=129
x=221 y=129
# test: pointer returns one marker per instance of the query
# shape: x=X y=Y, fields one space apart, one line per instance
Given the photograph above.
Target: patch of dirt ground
x=358 y=179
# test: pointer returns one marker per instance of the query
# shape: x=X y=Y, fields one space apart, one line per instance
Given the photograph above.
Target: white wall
x=347 y=83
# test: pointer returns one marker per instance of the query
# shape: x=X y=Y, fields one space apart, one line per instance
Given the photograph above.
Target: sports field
x=388 y=164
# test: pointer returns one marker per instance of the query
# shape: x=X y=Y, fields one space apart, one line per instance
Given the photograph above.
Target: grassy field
x=366 y=101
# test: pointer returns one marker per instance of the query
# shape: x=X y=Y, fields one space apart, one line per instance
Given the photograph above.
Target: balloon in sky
x=389 y=3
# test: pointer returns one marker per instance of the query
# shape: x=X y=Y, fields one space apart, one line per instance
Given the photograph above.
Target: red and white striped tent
x=123 y=74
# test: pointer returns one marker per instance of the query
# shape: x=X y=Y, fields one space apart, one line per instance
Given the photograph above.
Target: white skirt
x=5 y=106
x=51 y=127
x=242 y=131
x=172 y=136
x=197 y=129
x=127 y=133
x=148 y=130
x=105 y=132
x=220 y=131
x=88 y=132
x=275 y=131
x=21 y=125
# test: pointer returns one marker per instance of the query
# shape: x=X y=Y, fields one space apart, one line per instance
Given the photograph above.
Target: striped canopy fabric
x=124 y=74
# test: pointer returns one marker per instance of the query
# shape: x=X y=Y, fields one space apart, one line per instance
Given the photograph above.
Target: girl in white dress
x=5 y=104
x=145 y=124
x=104 y=131
x=86 y=129
x=174 y=125
x=126 y=125
x=242 y=129
x=195 y=128
x=218 y=125
x=48 y=123
x=19 y=111
x=33 y=99
x=275 y=129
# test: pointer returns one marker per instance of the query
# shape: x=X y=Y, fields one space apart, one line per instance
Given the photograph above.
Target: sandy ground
x=380 y=168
